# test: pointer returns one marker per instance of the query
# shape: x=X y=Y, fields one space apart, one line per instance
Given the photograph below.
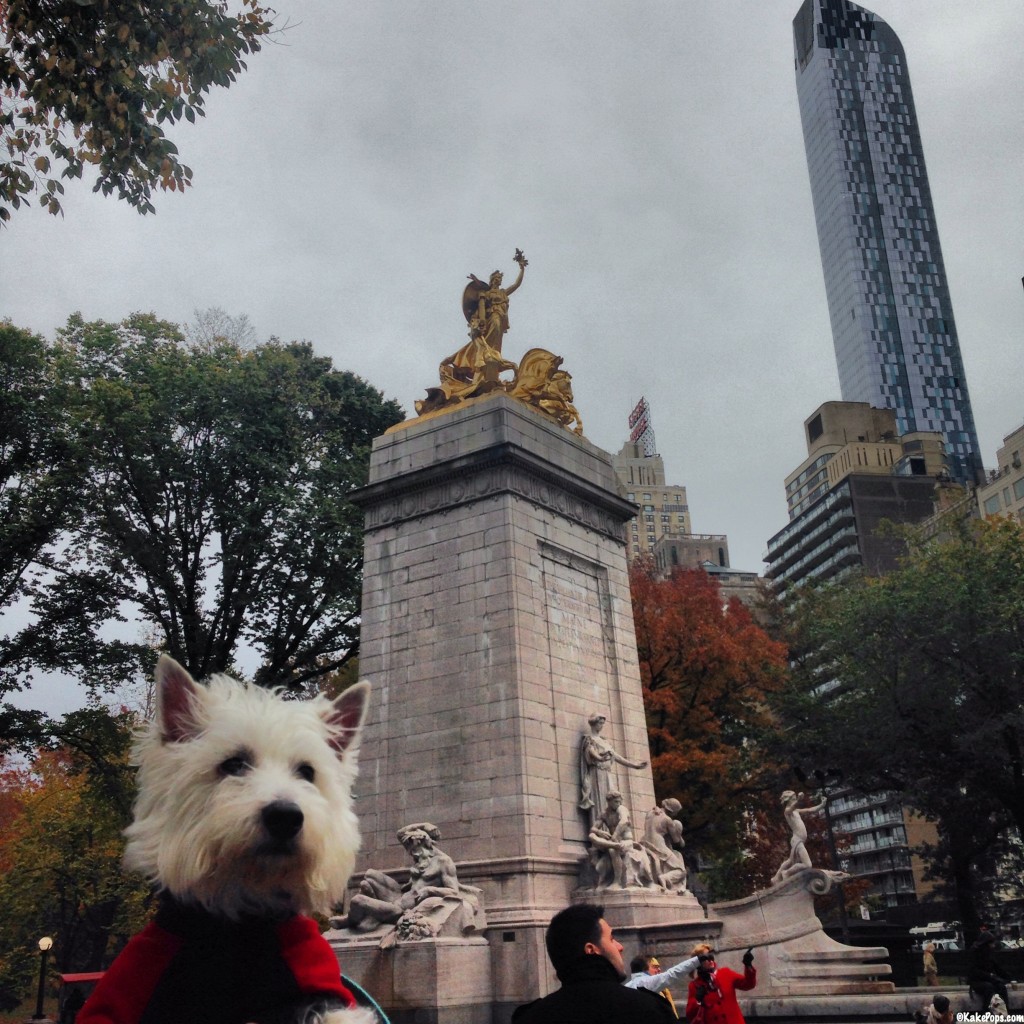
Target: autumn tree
x=912 y=682
x=60 y=852
x=706 y=668
x=94 y=82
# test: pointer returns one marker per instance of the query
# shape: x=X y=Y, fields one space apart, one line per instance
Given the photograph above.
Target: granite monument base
x=633 y=910
x=434 y=981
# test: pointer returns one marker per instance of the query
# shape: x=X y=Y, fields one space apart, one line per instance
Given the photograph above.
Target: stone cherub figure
x=799 y=859
x=597 y=762
x=431 y=902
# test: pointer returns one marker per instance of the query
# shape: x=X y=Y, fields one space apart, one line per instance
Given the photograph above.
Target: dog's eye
x=306 y=771
x=237 y=765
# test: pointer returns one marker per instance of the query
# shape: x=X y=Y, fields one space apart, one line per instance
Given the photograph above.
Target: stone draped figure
x=597 y=775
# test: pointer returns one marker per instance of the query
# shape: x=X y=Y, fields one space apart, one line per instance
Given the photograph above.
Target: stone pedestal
x=443 y=981
x=633 y=910
x=496 y=617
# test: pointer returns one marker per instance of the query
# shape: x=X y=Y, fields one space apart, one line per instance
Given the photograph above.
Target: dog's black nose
x=282 y=819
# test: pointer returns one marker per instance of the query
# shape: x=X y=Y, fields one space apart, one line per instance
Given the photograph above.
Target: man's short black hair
x=941 y=1003
x=639 y=963
x=570 y=930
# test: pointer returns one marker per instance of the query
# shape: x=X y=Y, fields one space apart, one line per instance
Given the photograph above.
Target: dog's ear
x=176 y=697
x=346 y=716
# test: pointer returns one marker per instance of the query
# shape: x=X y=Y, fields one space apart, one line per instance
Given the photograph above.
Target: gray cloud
x=646 y=156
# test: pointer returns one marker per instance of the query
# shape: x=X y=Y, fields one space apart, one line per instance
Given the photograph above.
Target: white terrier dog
x=244 y=822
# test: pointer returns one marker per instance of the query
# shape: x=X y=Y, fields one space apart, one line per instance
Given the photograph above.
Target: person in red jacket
x=711 y=998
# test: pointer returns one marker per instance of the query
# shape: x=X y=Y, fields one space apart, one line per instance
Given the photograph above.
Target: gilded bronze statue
x=488 y=303
x=476 y=368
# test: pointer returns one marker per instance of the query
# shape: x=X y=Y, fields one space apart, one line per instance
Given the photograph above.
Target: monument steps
x=836 y=1007
x=861 y=953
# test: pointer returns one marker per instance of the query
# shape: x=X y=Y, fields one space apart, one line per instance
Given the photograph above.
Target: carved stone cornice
x=505 y=468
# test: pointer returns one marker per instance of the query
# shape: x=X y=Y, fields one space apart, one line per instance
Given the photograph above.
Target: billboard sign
x=640 y=430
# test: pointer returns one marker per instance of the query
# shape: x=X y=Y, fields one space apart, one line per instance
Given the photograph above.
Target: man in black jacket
x=588 y=961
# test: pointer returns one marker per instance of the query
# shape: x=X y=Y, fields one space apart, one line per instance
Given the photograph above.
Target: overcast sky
x=647 y=156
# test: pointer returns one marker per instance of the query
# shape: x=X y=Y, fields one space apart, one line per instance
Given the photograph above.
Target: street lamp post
x=45 y=945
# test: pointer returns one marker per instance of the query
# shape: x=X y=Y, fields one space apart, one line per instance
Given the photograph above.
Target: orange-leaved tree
x=706 y=666
x=62 y=813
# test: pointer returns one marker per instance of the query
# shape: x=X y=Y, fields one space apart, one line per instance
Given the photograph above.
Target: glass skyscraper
x=892 y=319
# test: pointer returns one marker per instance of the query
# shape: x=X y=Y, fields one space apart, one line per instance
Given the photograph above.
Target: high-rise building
x=892 y=318
x=858 y=472
x=641 y=474
x=1003 y=493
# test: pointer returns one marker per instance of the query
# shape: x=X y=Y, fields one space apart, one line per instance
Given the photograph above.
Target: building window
x=1018 y=488
x=647 y=497
x=992 y=505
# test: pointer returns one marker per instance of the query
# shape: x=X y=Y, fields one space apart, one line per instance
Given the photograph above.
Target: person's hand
x=748 y=957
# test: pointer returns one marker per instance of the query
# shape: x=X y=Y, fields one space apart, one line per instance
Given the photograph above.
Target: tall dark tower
x=892 y=318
